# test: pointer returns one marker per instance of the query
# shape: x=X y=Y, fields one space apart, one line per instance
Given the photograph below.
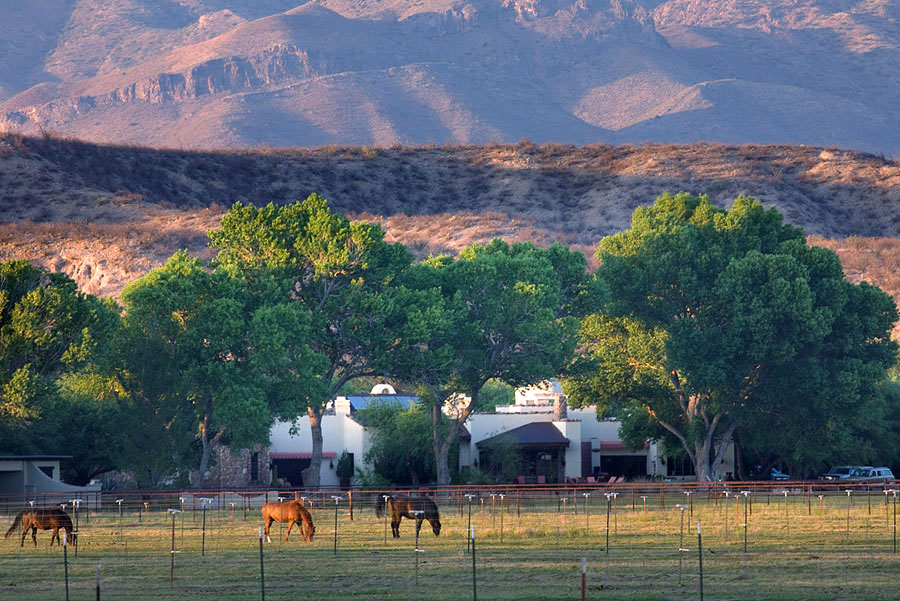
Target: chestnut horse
x=291 y=512
x=403 y=507
x=43 y=519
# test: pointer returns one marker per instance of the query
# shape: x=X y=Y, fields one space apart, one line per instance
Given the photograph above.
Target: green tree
x=401 y=442
x=50 y=332
x=508 y=313
x=342 y=275
x=496 y=392
x=231 y=363
x=724 y=321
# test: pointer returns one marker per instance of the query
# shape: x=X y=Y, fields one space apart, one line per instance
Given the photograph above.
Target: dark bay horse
x=42 y=519
x=403 y=507
x=292 y=512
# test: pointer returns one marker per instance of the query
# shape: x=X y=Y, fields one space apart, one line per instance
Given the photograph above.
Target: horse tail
x=15 y=526
x=379 y=506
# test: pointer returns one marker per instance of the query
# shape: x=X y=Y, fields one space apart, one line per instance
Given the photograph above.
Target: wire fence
x=760 y=541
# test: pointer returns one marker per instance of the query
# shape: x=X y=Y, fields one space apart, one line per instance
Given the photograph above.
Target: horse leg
x=55 y=536
x=418 y=525
x=269 y=521
x=290 y=525
x=395 y=527
x=34 y=534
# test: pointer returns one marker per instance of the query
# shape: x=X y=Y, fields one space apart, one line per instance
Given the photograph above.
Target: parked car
x=756 y=473
x=840 y=472
x=874 y=474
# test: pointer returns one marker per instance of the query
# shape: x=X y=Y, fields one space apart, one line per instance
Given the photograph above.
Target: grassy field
x=831 y=549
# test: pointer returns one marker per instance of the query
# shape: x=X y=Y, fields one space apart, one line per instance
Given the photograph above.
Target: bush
x=344 y=467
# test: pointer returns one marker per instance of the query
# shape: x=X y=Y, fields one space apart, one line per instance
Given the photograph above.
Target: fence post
x=262 y=571
x=417 y=514
x=469 y=496
x=587 y=510
x=66 y=561
x=386 y=511
x=700 y=558
x=681 y=548
x=337 y=500
x=583 y=578
x=172 y=563
x=746 y=494
x=75 y=504
x=474 y=579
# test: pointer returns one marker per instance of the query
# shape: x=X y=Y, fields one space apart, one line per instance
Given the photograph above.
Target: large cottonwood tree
x=50 y=333
x=719 y=320
x=508 y=312
x=342 y=274
x=202 y=352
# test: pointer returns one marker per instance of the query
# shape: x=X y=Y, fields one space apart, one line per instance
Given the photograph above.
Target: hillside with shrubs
x=107 y=214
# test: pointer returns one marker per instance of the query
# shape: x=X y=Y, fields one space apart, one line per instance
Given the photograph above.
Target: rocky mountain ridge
x=236 y=73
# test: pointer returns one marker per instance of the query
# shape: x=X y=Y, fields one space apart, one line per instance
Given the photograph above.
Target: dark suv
x=756 y=473
x=840 y=472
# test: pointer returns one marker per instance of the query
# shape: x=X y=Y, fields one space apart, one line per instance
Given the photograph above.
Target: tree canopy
x=343 y=276
x=212 y=358
x=51 y=334
x=507 y=312
x=723 y=321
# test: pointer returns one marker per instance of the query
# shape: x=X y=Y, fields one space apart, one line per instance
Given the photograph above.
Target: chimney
x=560 y=410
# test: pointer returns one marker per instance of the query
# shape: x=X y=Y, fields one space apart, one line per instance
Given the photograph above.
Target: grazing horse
x=291 y=512
x=43 y=519
x=403 y=507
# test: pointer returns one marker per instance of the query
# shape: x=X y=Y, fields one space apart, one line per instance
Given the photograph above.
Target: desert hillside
x=242 y=73
x=108 y=214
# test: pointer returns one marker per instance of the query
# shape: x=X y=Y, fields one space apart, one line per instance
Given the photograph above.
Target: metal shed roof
x=542 y=434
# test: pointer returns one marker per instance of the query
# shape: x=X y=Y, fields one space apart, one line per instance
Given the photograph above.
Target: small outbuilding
x=36 y=478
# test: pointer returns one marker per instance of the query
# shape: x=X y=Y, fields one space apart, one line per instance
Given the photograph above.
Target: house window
x=254 y=467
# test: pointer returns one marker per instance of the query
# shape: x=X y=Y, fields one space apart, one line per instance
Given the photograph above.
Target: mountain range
x=275 y=73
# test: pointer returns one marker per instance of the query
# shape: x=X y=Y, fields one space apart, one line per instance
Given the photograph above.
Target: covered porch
x=532 y=453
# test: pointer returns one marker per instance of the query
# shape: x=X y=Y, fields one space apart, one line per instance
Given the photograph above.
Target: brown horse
x=409 y=507
x=291 y=512
x=43 y=519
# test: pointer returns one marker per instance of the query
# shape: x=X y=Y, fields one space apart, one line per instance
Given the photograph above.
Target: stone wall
x=235 y=470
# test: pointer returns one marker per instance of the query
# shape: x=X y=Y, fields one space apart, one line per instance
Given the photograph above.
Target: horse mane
x=430 y=508
x=66 y=520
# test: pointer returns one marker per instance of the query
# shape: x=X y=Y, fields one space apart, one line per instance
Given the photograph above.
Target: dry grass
x=794 y=552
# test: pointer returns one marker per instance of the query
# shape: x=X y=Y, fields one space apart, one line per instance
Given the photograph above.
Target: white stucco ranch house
x=556 y=444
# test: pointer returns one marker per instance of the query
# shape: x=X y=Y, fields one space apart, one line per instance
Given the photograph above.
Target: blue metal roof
x=361 y=401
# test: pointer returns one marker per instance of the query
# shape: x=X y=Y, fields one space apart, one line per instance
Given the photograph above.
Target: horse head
x=310 y=531
x=436 y=526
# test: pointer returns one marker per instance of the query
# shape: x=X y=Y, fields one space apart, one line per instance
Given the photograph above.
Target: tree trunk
x=311 y=475
x=443 y=443
x=709 y=451
x=442 y=466
x=739 y=459
x=701 y=459
x=206 y=444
